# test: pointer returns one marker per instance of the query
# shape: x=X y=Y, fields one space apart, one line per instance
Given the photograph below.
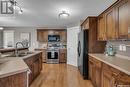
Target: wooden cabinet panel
x=95 y=71
x=123 y=79
x=36 y=68
x=101 y=28
x=103 y=75
x=110 y=21
x=63 y=55
x=63 y=35
x=43 y=54
x=123 y=21
x=42 y=36
x=35 y=65
x=107 y=77
x=17 y=80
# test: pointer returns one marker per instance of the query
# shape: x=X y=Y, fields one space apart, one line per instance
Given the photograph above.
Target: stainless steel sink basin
x=19 y=55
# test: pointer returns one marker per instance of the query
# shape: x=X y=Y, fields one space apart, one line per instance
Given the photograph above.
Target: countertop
x=2 y=50
x=117 y=62
x=13 y=65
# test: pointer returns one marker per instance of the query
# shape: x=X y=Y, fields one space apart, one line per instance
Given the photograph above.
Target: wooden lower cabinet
x=43 y=54
x=17 y=80
x=103 y=75
x=63 y=55
x=35 y=65
x=95 y=72
x=107 y=77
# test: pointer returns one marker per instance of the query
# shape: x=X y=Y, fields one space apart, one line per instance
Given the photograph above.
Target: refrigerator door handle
x=79 y=48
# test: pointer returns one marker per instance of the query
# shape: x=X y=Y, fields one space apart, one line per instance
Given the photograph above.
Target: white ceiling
x=44 y=13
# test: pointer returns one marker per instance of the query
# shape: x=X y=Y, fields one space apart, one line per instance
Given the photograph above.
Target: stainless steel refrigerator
x=83 y=53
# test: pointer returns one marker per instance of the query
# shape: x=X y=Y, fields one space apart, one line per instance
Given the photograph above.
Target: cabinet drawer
x=123 y=79
x=95 y=61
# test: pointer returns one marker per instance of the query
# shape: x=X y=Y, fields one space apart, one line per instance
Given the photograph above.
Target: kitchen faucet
x=16 y=49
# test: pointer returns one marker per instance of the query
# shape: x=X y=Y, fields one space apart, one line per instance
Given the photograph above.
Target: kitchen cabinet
x=122 y=79
x=95 y=72
x=63 y=35
x=43 y=54
x=36 y=68
x=107 y=77
x=29 y=62
x=42 y=34
x=123 y=21
x=63 y=55
x=101 y=28
x=95 y=46
x=85 y=25
x=35 y=65
x=104 y=75
x=110 y=21
x=116 y=21
x=17 y=80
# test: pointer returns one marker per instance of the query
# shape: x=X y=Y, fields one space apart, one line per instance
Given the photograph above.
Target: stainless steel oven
x=52 y=56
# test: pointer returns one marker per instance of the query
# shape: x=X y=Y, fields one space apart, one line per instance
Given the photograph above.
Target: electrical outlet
x=124 y=48
x=120 y=48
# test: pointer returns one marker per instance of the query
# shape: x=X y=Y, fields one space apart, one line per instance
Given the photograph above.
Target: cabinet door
x=42 y=35
x=36 y=68
x=39 y=36
x=123 y=19
x=110 y=24
x=107 y=76
x=92 y=71
x=30 y=74
x=63 y=55
x=40 y=62
x=101 y=28
x=123 y=79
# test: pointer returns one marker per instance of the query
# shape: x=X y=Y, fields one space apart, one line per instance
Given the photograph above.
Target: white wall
x=1 y=38
x=72 y=44
x=31 y=30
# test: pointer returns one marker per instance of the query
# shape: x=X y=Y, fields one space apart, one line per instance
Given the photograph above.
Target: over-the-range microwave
x=53 y=38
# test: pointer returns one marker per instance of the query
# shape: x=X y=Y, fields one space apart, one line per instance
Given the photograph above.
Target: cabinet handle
x=128 y=30
x=115 y=74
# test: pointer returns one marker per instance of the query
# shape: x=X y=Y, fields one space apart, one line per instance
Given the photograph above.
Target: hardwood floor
x=60 y=75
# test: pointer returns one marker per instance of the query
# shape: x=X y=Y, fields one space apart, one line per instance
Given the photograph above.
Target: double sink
x=4 y=60
x=20 y=54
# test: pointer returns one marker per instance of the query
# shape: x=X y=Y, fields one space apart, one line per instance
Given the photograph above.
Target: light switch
x=120 y=48
x=124 y=47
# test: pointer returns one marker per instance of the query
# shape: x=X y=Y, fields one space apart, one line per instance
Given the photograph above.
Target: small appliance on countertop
x=109 y=50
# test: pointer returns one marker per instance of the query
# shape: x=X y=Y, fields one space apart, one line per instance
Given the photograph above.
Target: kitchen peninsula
x=23 y=69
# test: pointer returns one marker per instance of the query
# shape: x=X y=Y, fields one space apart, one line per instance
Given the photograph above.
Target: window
x=8 y=38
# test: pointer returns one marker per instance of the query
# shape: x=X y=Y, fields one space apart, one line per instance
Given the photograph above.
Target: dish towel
x=53 y=54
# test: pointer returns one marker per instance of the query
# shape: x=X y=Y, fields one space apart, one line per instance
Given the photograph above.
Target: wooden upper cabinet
x=110 y=21
x=95 y=71
x=101 y=28
x=123 y=18
x=42 y=36
x=85 y=24
x=63 y=36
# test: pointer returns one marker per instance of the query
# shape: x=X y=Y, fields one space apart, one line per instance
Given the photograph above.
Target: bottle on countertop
x=109 y=51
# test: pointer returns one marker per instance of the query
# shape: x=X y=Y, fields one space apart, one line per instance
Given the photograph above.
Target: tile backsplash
x=116 y=45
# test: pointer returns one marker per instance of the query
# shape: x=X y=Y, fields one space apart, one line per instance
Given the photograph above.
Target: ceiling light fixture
x=14 y=5
x=1 y=28
x=64 y=14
